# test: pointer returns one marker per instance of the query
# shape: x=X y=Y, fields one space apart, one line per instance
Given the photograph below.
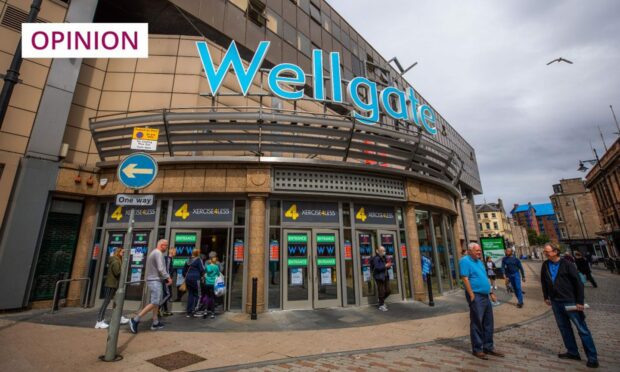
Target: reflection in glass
x=365 y=249
x=426 y=246
x=274 y=268
x=405 y=262
x=388 y=241
x=348 y=267
x=442 y=252
x=236 y=271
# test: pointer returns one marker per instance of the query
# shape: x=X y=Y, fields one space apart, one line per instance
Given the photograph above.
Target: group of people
x=562 y=287
x=199 y=275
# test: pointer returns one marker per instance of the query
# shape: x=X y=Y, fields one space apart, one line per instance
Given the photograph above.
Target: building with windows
x=603 y=181
x=578 y=219
x=493 y=221
x=295 y=192
x=521 y=241
x=540 y=218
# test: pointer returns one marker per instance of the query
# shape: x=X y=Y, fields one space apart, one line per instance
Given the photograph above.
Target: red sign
x=403 y=251
x=96 y=252
x=348 y=250
x=274 y=251
x=238 y=251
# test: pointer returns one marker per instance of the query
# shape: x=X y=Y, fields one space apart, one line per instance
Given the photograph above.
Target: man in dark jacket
x=584 y=267
x=512 y=267
x=562 y=288
x=380 y=268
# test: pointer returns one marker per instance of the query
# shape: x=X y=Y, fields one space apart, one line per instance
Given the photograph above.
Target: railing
x=84 y=300
x=283 y=134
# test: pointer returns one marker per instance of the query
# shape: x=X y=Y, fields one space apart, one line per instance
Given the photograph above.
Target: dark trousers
x=564 y=318
x=591 y=279
x=515 y=282
x=167 y=296
x=210 y=298
x=383 y=290
x=192 y=295
x=481 y=322
x=108 y=294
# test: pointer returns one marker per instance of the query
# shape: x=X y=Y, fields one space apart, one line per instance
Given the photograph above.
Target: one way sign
x=124 y=200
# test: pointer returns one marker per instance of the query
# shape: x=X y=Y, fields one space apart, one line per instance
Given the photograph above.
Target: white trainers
x=101 y=325
x=383 y=308
x=124 y=320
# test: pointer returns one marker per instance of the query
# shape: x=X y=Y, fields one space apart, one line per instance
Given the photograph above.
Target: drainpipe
x=12 y=74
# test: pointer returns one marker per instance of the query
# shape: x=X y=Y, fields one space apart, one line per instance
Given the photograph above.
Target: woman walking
x=193 y=272
x=491 y=271
x=110 y=287
x=213 y=272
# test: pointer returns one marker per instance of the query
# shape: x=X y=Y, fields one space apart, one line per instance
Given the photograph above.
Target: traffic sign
x=137 y=171
x=144 y=139
x=124 y=200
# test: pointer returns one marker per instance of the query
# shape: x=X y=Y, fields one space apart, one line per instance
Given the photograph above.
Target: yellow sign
x=146 y=134
x=361 y=215
x=182 y=212
x=292 y=212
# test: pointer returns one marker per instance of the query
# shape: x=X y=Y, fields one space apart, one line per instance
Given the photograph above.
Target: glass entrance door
x=387 y=239
x=325 y=253
x=183 y=243
x=365 y=251
x=296 y=287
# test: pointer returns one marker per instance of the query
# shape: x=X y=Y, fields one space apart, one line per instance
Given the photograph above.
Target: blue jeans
x=564 y=319
x=481 y=322
x=515 y=282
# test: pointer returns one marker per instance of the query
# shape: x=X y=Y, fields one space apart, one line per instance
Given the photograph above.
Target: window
x=495 y=226
x=480 y=226
x=256 y=12
x=327 y=23
x=274 y=21
x=486 y=215
x=315 y=13
x=493 y=215
x=303 y=44
x=241 y=4
x=488 y=226
x=290 y=34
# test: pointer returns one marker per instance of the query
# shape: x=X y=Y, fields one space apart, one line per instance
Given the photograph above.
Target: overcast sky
x=482 y=65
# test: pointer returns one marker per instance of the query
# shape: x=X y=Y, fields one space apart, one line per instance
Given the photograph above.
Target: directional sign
x=137 y=171
x=144 y=139
x=134 y=200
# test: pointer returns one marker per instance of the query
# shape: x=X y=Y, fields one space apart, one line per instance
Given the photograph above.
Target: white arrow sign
x=134 y=200
x=130 y=170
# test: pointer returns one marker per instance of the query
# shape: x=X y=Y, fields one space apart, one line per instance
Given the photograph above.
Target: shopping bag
x=583 y=278
x=220 y=286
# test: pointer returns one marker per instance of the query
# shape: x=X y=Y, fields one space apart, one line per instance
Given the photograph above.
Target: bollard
x=429 y=285
x=253 y=316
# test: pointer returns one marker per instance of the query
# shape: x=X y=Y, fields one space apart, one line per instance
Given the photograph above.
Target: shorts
x=157 y=291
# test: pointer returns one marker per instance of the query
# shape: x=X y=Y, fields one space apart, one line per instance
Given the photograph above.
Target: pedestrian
x=212 y=273
x=110 y=287
x=512 y=267
x=479 y=295
x=193 y=272
x=568 y=257
x=562 y=288
x=155 y=273
x=380 y=267
x=163 y=308
x=584 y=268
x=491 y=271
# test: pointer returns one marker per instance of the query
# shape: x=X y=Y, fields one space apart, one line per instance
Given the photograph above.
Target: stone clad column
x=256 y=251
x=82 y=252
x=414 y=250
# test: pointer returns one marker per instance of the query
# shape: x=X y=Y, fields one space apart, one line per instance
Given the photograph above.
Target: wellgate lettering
x=287 y=80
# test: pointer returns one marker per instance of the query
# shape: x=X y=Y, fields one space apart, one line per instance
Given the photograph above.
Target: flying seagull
x=560 y=60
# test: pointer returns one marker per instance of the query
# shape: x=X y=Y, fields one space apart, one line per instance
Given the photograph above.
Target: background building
x=521 y=242
x=492 y=221
x=258 y=160
x=537 y=217
x=577 y=216
x=603 y=181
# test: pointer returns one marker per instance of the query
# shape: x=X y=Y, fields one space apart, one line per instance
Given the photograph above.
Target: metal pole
x=429 y=285
x=253 y=316
x=119 y=298
x=12 y=74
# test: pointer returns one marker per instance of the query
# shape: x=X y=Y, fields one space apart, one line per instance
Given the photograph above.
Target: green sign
x=185 y=238
x=179 y=262
x=298 y=238
x=325 y=238
x=493 y=247
x=326 y=261
x=297 y=262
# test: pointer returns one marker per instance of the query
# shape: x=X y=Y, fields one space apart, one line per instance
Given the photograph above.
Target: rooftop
x=543 y=209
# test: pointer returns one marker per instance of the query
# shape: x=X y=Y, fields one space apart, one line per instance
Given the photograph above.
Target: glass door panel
x=296 y=261
x=365 y=250
x=326 y=271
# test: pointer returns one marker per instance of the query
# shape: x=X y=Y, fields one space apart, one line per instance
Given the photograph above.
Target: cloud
x=482 y=65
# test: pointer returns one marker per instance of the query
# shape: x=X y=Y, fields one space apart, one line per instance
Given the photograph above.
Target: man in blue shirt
x=512 y=267
x=477 y=293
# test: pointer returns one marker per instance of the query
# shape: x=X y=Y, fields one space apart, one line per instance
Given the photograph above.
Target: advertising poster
x=326 y=275
x=297 y=277
x=366 y=273
x=493 y=247
x=274 y=251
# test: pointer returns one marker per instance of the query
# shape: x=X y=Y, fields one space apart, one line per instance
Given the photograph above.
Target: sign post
x=136 y=172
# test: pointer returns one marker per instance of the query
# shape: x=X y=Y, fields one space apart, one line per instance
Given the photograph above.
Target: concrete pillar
x=82 y=252
x=414 y=252
x=256 y=251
